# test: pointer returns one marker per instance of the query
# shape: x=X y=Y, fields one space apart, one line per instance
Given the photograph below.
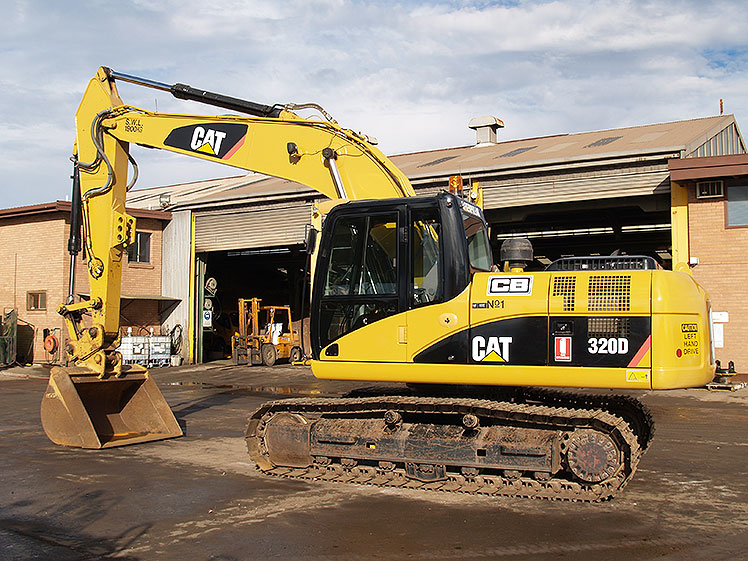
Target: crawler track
x=636 y=414
x=584 y=453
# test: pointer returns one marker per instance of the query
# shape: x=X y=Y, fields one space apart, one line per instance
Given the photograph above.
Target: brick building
x=34 y=274
x=644 y=190
x=712 y=192
x=589 y=193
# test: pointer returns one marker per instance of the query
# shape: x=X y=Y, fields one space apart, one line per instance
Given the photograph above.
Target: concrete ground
x=200 y=498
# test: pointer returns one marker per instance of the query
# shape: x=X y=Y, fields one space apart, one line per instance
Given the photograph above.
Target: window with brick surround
x=737 y=205
x=36 y=300
x=140 y=251
x=709 y=189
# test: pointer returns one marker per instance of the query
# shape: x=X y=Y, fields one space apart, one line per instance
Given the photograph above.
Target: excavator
x=500 y=377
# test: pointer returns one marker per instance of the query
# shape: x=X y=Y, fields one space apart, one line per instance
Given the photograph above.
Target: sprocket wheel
x=593 y=456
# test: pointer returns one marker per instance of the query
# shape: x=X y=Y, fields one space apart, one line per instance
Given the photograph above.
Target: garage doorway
x=631 y=226
x=275 y=275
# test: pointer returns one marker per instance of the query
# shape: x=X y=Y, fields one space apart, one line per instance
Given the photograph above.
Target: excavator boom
x=272 y=140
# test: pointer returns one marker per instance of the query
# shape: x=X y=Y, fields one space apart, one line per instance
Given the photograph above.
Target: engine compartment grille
x=615 y=262
x=609 y=293
x=565 y=286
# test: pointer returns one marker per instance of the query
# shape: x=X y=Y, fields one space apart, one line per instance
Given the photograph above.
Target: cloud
x=411 y=73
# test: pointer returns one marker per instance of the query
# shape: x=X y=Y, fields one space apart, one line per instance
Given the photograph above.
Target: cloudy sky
x=411 y=73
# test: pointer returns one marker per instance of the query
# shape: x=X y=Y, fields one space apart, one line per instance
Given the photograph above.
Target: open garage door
x=628 y=226
x=255 y=252
x=273 y=274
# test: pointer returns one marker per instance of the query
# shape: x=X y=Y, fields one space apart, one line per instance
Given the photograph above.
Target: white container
x=135 y=349
x=159 y=351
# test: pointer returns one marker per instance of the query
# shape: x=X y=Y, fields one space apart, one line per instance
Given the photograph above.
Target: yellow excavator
x=405 y=291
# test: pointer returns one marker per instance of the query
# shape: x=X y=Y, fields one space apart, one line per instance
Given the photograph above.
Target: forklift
x=266 y=334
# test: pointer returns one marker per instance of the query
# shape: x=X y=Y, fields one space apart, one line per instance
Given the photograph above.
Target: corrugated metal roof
x=678 y=138
x=214 y=191
x=682 y=137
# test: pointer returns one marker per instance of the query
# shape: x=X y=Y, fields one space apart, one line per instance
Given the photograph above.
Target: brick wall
x=722 y=270
x=33 y=258
x=145 y=278
x=138 y=279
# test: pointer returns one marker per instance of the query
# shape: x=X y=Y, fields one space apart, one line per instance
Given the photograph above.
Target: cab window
x=425 y=258
x=479 y=249
x=361 y=284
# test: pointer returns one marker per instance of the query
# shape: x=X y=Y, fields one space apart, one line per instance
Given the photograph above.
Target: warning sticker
x=563 y=349
x=637 y=375
x=690 y=333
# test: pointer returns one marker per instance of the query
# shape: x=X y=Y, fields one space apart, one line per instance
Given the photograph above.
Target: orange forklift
x=266 y=334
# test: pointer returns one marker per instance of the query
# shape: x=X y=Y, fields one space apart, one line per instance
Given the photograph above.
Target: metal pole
x=330 y=155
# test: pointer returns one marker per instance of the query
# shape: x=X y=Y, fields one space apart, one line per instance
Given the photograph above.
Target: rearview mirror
x=311 y=240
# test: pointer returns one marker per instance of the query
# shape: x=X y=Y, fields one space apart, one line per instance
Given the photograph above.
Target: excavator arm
x=100 y=402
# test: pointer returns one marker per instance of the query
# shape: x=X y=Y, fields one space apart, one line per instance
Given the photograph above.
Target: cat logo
x=208 y=141
x=219 y=140
x=493 y=349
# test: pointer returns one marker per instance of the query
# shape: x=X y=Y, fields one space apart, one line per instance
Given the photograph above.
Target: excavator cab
x=390 y=256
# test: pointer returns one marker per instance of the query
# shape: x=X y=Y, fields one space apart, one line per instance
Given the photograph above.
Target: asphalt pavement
x=200 y=497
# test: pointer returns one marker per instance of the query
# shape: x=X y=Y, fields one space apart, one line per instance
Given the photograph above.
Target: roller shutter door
x=570 y=185
x=278 y=225
x=534 y=191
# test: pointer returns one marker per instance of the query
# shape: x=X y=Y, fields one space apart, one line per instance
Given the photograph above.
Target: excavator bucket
x=80 y=409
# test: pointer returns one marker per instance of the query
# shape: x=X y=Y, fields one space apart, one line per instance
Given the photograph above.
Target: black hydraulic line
x=183 y=91
x=74 y=240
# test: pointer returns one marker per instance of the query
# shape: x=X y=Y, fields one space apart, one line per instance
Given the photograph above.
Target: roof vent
x=485 y=129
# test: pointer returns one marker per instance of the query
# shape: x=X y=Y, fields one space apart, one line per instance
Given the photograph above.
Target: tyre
x=268 y=354
x=295 y=355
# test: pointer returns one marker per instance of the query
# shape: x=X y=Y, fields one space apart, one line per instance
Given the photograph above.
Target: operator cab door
x=360 y=285
x=434 y=315
x=448 y=242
